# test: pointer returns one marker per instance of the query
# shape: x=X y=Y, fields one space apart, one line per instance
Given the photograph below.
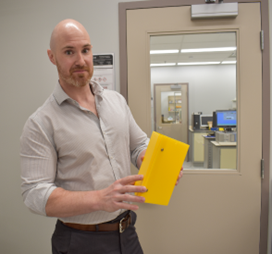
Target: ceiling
x=193 y=41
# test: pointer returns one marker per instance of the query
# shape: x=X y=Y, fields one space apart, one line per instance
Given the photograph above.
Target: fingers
x=130 y=198
x=130 y=179
x=130 y=188
x=121 y=203
x=117 y=194
x=179 y=176
x=128 y=206
x=126 y=184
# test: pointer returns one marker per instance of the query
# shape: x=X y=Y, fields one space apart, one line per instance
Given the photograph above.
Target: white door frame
x=123 y=7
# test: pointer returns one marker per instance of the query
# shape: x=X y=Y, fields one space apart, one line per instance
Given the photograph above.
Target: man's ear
x=51 y=56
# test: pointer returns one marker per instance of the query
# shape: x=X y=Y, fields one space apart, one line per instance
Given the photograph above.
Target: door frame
x=124 y=6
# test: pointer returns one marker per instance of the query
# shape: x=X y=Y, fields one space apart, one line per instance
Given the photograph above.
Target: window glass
x=193 y=87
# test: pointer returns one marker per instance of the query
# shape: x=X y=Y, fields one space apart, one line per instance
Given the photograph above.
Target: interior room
x=174 y=59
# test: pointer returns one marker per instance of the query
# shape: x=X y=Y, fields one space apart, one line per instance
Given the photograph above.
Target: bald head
x=64 y=30
x=71 y=51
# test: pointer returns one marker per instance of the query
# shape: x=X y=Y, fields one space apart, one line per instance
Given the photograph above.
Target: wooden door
x=211 y=211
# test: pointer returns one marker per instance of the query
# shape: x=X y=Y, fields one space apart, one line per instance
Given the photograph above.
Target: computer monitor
x=204 y=119
x=226 y=118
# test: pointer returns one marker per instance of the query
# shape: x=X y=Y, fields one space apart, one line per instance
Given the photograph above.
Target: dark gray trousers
x=66 y=240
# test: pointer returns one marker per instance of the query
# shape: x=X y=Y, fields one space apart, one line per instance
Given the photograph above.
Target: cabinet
x=197 y=146
x=174 y=103
x=224 y=155
x=208 y=151
x=174 y=107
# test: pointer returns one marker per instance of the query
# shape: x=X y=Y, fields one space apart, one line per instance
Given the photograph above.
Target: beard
x=76 y=79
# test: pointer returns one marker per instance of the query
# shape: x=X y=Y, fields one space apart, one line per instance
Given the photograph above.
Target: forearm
x=62 y=203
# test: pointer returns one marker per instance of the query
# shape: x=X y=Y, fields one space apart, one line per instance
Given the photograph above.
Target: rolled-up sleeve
x=138 y=139
x=38 y=166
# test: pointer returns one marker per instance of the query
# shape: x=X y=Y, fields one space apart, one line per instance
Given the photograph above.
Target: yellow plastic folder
x=161 y=166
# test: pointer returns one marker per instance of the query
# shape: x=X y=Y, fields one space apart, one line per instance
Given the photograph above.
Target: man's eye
x=85 y=50
x=68 y=52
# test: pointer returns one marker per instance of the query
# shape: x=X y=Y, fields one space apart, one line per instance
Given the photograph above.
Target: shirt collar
x=61 y=96
x=97 y=88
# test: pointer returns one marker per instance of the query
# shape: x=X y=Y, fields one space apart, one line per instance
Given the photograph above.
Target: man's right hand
x=63 y=203
x=116 y=195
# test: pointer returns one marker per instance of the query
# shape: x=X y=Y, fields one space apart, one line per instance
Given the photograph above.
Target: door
x=211 y=211
x=171 y=110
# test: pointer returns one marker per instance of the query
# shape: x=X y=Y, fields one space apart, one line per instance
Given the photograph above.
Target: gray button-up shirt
x=65 y=145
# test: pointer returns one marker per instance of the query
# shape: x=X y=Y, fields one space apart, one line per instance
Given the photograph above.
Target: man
x=75 y=155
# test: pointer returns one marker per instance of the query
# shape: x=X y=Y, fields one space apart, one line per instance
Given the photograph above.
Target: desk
x=224 y=155
x=208 y=154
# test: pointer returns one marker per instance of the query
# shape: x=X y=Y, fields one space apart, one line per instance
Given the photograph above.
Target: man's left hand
x=179 y=176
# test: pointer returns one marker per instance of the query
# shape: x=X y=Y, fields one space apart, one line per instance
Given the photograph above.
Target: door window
x=207 y=62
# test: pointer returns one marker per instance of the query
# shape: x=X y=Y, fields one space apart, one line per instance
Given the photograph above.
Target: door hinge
x=262 y=39
x=262 y=168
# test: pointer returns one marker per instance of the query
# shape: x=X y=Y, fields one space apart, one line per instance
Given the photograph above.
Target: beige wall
x=27 y=78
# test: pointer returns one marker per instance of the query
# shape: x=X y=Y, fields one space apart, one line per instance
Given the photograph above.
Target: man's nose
x=80 y=60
